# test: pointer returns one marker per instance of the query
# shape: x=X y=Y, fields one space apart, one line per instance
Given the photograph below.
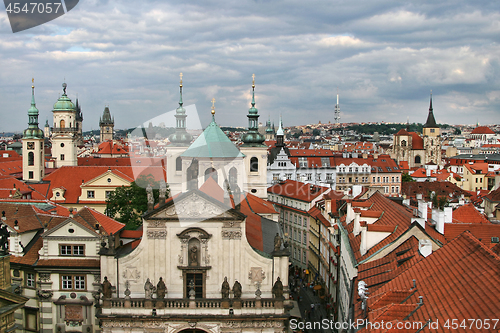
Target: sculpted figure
x=161 y=289
x=237 y=289
x=193 y=256
x=4 y=240
x=148 y=289
x=278 y=289
x=277 y=242
x=106 y=288
x=225 y=288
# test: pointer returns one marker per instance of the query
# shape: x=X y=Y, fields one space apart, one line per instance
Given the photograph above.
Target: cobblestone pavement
x=316 y=316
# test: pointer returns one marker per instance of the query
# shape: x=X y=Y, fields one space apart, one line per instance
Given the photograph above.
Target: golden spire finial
x=253 y=80
x=180 y=75
x=213 y=105
x=33 y=82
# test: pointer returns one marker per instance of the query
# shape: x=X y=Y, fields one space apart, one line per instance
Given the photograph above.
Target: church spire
x=431 y=121
x=253 y=137
x=33 y=131
x=181 y=137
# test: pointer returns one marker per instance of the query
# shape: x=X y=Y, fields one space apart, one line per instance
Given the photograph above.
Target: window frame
x=29 y=282
x=63 y=278
x=90 y=194
x=72 y=248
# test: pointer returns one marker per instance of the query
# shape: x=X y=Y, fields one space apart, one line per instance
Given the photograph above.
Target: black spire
x=431 y=121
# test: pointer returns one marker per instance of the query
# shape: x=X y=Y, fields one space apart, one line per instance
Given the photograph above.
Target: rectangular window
x=67 y=282
x=305 y=222
x=108 y=194
x=72 y=250
x=309 y=176
x=304 y=240
x=194 y=281
x=318 y=176
x=30 y=280
x=304 y=258
x=302 y=162
x=73 y=282
x=288 y=176
x=79 y=282
x=65 y=250
x=62 y=157
x=328 y=176
x=90 y=194
x=30 y=174
x=31 y=322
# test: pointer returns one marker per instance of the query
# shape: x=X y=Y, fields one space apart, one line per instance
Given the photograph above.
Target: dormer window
x=72 y=250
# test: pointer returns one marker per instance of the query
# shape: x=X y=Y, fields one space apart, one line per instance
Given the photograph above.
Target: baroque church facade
x=195 y=269
x=418 y=150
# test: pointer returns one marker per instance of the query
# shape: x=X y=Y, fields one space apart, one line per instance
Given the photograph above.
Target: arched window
x=417 y=159
x=233 y=176
x=211 y=172
x=31 y=158
x=61 y=123
x=254 y=164
x=178 y=164
x=403 y=143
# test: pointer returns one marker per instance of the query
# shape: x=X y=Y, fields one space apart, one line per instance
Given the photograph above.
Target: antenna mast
x=337 y=109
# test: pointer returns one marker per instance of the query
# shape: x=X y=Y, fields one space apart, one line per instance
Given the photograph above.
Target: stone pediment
x=196 y=206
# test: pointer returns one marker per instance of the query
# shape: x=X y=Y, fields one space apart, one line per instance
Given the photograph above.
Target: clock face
x=31 y=145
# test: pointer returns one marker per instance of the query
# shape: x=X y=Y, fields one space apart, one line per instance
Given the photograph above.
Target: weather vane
x=213 y=105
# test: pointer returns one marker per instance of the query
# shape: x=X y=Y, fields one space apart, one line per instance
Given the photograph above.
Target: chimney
x=16 y=225
x=420 y=300
x=349 y=213
x=448 y=214
x=363 y=247
x=438 y=217
x=357 y=227
x=419 y=196
x=422 y=210
x=71 y=212
x=424 y=247
x=414 y=284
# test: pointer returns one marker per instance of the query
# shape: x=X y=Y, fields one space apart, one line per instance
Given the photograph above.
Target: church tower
x=255 y=152
x=269 y=130
x=33 y=145
x=79 y=123
x=180 y=141
x=107 y=125
x=432 y=138
x=65 y=132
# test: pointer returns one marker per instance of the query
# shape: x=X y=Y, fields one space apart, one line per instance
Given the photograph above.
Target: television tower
x=337 y=109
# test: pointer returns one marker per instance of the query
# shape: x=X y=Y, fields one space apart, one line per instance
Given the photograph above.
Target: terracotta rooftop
x=461 y=280
x=482 y=130
x=297 y=190
x=468 y=214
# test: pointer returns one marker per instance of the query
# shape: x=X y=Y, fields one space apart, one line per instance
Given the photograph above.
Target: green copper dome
x=253 y=138
x=64 y=103
x=33 y=132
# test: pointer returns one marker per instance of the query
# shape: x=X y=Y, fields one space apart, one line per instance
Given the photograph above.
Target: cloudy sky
x=384 y=56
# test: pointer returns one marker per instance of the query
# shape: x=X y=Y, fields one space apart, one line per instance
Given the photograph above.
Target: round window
x=109 y=180
x=58 y=194
x=62 y=144
x=71 y=231
x=253 y=190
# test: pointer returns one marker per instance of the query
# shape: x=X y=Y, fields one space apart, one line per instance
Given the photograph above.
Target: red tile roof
x=73 y=262
x=468 y=214
x=109 y=225
x=483 y=232
x=297 y=190
x=482 y=130
x=461 y=281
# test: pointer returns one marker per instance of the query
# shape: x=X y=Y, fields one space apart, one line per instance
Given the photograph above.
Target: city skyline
x=384 y=58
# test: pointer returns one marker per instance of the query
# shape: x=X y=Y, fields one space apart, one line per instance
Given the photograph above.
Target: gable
x=70 y=228
x=194 y=206
x=107 y=179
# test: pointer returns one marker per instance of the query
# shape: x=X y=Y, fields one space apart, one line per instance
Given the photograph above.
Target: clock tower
x=33 y=143
x=107 y=125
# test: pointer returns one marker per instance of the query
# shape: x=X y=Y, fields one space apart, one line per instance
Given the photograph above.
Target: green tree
x=405 y=177
x=127 y=204
x=439 y=201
